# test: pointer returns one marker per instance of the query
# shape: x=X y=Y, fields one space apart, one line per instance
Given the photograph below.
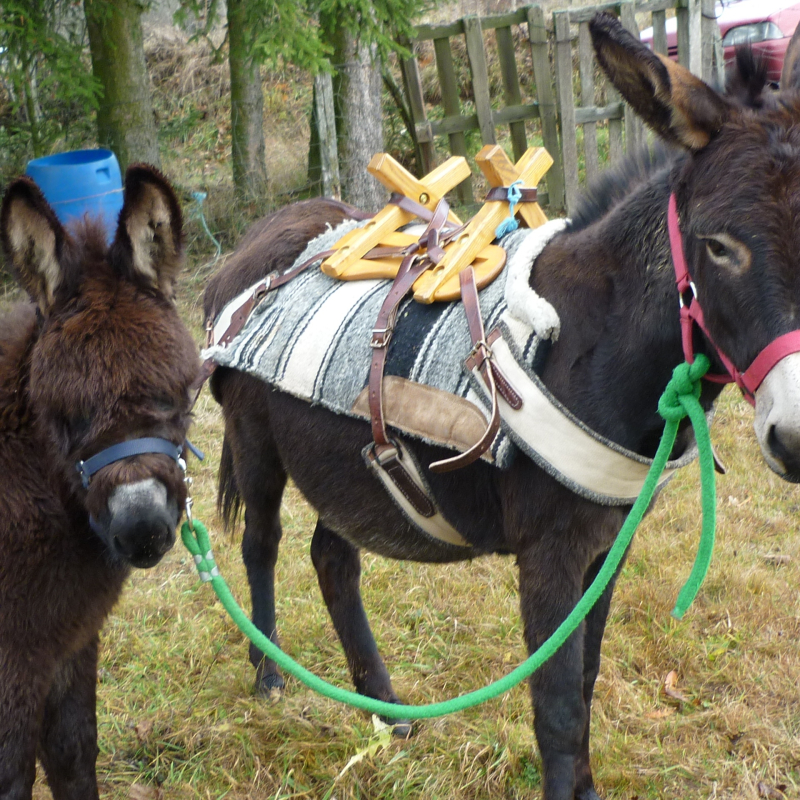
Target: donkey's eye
x=716 y=249
x=727 y=252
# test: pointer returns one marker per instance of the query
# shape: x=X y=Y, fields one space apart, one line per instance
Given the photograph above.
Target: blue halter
x=133 y=447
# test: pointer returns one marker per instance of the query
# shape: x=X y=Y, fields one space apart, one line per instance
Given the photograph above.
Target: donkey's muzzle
x=777 y=421
x=139 y=527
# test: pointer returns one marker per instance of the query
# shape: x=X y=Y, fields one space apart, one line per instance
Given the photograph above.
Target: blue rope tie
x=510 y=223
x=199 y=197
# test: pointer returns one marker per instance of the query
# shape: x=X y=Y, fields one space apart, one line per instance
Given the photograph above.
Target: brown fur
x=102 y=357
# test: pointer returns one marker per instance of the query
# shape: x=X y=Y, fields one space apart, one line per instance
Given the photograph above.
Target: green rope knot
x=685 y=383
x=195 y=538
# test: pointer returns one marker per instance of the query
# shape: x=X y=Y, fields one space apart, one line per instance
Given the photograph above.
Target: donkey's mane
x=617 y=182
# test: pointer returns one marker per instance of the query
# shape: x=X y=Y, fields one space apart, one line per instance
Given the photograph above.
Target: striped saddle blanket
x=311 y=338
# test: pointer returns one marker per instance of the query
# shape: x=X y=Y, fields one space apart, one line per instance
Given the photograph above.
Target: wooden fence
x=552 y=100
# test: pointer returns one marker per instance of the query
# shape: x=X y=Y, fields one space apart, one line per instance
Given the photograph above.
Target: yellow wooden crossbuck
x=473 y=245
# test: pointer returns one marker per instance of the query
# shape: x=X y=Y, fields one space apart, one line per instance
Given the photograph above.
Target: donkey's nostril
x=784 y=445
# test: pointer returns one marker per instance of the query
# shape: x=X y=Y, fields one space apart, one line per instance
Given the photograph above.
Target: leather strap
x=410 y=269
x=527 y=195
x=480 y=357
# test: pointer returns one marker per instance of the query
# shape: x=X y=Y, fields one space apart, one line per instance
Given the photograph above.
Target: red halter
x=691 y=314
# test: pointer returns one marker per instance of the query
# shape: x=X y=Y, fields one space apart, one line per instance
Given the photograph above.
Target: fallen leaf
x=143 y=730
x=774 y=793
x=670 y=688
x=141 y=792
x=660 y=713
x=381 y=739
x=776 y=558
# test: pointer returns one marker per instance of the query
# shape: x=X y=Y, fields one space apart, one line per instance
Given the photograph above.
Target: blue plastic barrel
x=81 y=181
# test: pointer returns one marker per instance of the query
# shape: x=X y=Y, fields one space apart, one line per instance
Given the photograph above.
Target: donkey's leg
x=593 y=639
x=550 y=586
x=68 y=736
x=258 y=478
x=23 y=685
x=262 y=492
x=338 y=566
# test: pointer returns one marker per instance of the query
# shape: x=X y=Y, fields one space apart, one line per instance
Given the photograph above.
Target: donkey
x=609 y=276
x=95 y=374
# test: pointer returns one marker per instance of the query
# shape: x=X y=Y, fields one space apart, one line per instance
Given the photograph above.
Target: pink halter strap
x=692 y=314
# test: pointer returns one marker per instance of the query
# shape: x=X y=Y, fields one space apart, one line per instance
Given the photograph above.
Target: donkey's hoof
x=269 y=687
x=587 y=794
x=401 y=728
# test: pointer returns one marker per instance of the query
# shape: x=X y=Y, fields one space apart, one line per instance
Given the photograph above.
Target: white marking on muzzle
x=778 y=410
x=128 y=498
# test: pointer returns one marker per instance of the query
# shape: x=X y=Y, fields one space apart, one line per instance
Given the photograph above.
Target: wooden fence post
x=326 y=127
x=586 y=66
x=416 y=105
x=634 y=130
x=566 y=104
x=473 y=33
x=513 y=96
x=452 y=108
x=537 y=33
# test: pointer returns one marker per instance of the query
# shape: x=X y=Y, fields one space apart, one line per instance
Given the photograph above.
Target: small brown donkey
x=94 y=407
x=734 y=178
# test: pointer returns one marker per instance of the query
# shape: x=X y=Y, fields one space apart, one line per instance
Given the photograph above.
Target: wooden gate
x=569 y=129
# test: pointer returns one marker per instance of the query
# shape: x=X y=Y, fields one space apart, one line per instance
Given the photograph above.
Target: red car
x=767 y=25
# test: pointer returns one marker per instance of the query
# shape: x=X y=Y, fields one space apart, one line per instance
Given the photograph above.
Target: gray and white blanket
x=311 y=337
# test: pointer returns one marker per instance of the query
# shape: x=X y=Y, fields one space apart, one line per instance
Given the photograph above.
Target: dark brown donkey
x=735 y=172
x=94 y=375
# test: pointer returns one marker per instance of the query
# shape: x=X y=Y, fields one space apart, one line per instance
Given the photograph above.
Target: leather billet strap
x=481 y=358
x=527 y=195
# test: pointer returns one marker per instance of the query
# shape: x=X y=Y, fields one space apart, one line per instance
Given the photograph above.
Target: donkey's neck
x=613 y=285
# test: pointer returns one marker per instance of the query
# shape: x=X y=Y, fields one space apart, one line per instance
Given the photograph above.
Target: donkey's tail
x=229 y=498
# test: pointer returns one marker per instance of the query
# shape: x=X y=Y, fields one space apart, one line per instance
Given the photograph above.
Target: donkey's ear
x=790 y=74
x=672 y=101
x=33 y=240
x=148 y=244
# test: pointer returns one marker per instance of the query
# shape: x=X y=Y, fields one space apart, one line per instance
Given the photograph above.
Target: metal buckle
x=481 y=345
x=691 y=288
x=380 y=338
x=188 y=509
x=260 y=291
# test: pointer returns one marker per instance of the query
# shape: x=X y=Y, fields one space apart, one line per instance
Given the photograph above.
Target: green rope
x=679 y=399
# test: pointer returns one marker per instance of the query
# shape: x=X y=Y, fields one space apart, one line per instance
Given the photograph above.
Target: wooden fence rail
x=553 y=99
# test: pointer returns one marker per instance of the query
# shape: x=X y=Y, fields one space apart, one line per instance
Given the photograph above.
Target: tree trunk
x=357 y=88
x=247 y=108
x=125 y=122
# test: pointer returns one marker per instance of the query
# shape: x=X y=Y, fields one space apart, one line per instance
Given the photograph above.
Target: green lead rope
x=679 y=400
